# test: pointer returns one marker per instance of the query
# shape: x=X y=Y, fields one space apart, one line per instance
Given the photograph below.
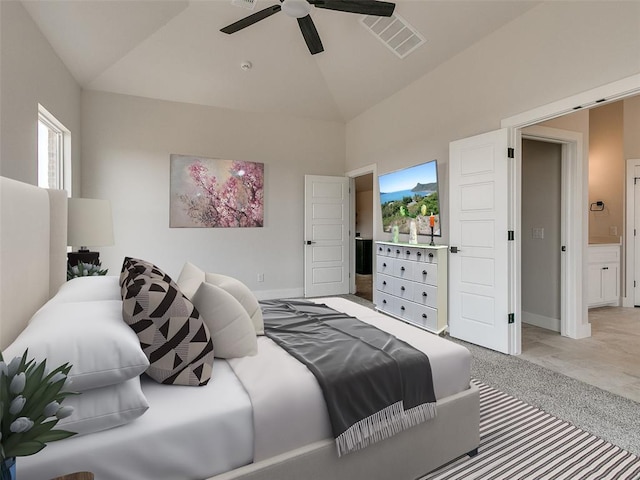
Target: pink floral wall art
x=214 y=193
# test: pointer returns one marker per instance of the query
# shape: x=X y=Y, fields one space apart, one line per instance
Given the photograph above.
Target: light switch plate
x=537 y=232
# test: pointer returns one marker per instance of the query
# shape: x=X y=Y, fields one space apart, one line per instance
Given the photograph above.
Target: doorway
x=364 y=236
x=541 y=233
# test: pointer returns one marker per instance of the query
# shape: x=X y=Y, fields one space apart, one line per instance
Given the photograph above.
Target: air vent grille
x=395 y=32
x=248 y=4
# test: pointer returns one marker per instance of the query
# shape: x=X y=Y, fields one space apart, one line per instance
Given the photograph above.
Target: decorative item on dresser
x=411 y=283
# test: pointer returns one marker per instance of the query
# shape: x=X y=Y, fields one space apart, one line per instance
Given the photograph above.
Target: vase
x=395 y=234
x=8 y=469
x=413 y=232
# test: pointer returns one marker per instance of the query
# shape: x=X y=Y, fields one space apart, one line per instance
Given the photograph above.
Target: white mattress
x=187 y=433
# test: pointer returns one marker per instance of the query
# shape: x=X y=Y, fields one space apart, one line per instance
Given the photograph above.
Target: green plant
x=83 y=269
x=30 y=399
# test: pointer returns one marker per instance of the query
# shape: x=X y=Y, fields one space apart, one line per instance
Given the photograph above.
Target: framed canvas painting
x=215 y=193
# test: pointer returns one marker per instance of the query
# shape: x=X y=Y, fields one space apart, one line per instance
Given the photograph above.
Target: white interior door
x=326 y=229
x=636 y=238
x=479 y=262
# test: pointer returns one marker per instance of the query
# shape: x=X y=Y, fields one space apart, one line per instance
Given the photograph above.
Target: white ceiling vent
x=248 y=4
x=395 y=32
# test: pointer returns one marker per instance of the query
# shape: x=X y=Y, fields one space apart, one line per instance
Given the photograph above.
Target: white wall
x=126 y=146
x=32 y=73
x=555 y=50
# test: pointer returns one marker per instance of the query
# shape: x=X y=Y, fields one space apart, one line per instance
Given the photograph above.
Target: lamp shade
x=89 y=223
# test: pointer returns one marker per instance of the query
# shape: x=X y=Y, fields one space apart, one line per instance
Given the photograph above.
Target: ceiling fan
x=301 y=9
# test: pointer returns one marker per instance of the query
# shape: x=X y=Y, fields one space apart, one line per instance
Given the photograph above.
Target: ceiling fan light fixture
x=296 y=8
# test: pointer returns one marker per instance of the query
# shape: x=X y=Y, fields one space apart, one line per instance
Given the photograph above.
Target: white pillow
x=91 y=336
x=243 y=294
x=104 y=408
x=190 y=279
x=89 y=289
x=229 y=324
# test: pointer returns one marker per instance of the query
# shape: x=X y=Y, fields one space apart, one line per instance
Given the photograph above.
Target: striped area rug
x=519 y=441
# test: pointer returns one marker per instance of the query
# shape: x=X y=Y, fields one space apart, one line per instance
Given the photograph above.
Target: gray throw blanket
x=374 y=385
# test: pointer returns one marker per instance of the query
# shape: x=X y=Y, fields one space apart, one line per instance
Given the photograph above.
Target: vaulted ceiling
x=174 y=50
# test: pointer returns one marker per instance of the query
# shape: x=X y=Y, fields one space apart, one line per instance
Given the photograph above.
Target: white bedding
x=198 y=432
x=187 y=433
x=303 y=410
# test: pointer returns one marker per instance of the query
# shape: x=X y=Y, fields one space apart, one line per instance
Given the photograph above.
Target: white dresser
x=411 y=283
x=604 y=275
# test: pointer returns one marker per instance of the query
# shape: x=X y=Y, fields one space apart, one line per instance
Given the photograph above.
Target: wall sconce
x=89 y=225
x=597 y=206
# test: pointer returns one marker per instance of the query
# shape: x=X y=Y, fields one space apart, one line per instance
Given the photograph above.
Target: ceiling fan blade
x=365 y=7
x=251 y=19
x=310 y=34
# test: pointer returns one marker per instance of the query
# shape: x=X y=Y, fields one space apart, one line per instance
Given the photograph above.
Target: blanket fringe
x=383 y=424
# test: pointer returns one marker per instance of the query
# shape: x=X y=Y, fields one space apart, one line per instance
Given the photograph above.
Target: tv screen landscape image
x=403 y=194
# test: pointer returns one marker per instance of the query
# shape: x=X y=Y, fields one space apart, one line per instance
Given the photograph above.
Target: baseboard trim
x=541 y=321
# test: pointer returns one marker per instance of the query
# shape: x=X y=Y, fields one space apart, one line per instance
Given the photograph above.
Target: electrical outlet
x=261 y=277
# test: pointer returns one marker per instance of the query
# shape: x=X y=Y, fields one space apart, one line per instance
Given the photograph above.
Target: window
x=54 y=152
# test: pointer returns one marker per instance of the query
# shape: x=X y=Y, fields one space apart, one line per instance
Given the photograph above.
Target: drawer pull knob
x=431 y=255
x=424 y=315
x=402 y=269
x=379 y=249
x=419 y=254
x=424 y=272
x=384 y=301
x=398 y=252
x=402 y=288
x=424 y=294
x=605 y=268
x=408 y=252
x=384 y=282
x=388 y=249
x=384 y=264
x=402 y=308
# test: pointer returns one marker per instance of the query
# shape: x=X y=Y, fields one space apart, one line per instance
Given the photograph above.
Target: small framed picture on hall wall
x=215 y=193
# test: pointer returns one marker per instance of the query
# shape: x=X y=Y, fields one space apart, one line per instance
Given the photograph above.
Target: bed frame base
x=407 y=456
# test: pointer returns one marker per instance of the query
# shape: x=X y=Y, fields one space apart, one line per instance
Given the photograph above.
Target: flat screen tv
x=403 y=194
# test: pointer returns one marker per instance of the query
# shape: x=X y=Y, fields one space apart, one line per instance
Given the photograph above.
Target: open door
x=479 y=238
x=327 y=236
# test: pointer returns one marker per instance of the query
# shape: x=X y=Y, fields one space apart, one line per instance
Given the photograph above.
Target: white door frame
x=598 y=96
x=352 y=174
x=628 y=249
x=570 y=229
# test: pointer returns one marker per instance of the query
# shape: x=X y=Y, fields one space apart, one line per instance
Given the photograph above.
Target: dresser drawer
x=426 y=295
x=403 y=269
x=425 y=317
x=429 y=257
x=385 y=302
x=412 y=253
x=384 y=264
x=385 y=283
x=426 y=273
x=404 y=309
x=403 y=288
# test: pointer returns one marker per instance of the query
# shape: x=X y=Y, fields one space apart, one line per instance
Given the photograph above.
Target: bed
x=210 y=432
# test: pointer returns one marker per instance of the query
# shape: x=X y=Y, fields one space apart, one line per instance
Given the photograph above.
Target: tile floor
x=609 y=359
